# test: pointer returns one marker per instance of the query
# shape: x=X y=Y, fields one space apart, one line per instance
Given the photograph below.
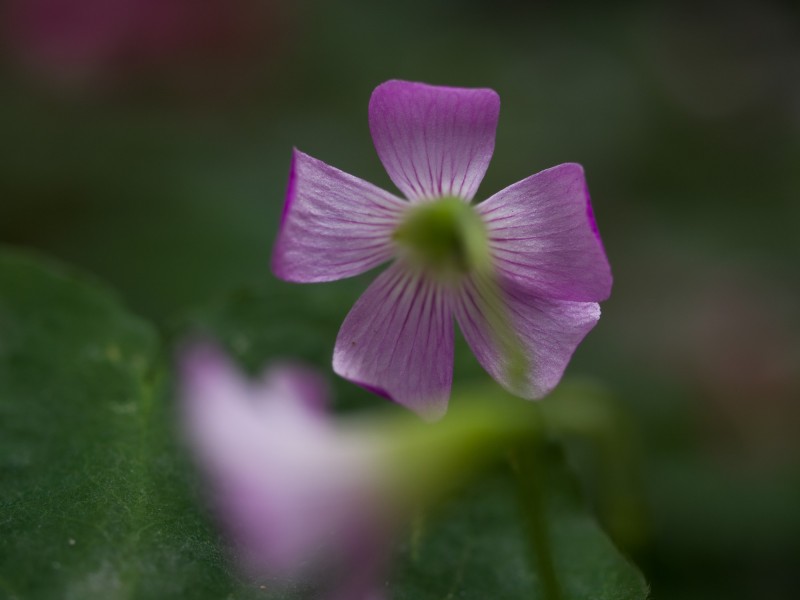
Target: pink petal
x=217 y=408
x=283 y=479
x=397 y=341
x=548 y=331
x=434 y=141
x=543 y=236
x=334 y=225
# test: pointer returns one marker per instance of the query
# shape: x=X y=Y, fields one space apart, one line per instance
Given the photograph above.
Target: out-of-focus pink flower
x=297 y=496
x=88 y=40
x=528 y=260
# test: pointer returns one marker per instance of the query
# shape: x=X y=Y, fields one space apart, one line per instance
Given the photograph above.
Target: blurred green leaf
x=96 y=497
x=93 y=491
x=474 y=546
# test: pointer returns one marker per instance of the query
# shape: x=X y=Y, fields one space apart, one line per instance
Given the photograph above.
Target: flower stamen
x=444 y=235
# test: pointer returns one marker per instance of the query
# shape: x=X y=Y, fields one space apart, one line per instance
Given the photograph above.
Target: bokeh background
x=148 y=141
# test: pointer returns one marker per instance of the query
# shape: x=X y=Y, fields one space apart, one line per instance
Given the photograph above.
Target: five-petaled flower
x=529 y=256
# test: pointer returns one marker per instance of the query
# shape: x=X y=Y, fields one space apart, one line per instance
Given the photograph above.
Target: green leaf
x=97 y=499
x=474 y=546
x=94 y=500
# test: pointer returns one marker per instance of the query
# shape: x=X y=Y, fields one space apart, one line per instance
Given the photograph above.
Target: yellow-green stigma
x=444 y=235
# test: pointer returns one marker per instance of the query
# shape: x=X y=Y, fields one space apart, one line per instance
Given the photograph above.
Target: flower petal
x=547 y=330
x=543 y=235
x=434 y=141
x=287 y=485
x=334 y=225
x=397 y=341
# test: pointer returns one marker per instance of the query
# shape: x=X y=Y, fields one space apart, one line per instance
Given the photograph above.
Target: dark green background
x=686 y=119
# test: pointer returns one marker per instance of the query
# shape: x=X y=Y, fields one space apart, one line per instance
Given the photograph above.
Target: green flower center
x=445 y=235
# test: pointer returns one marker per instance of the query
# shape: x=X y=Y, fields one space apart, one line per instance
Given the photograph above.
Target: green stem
x=529 y=466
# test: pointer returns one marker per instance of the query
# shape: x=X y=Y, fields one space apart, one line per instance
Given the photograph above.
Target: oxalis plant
x=209 y=462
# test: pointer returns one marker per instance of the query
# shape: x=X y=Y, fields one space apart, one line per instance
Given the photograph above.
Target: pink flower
x=296 y=495
x=530 y=256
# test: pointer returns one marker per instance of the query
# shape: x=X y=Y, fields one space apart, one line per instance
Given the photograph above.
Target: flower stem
x=528 y=465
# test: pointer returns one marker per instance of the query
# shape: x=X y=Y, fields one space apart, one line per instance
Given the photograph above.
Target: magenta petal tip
x=434 y=141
